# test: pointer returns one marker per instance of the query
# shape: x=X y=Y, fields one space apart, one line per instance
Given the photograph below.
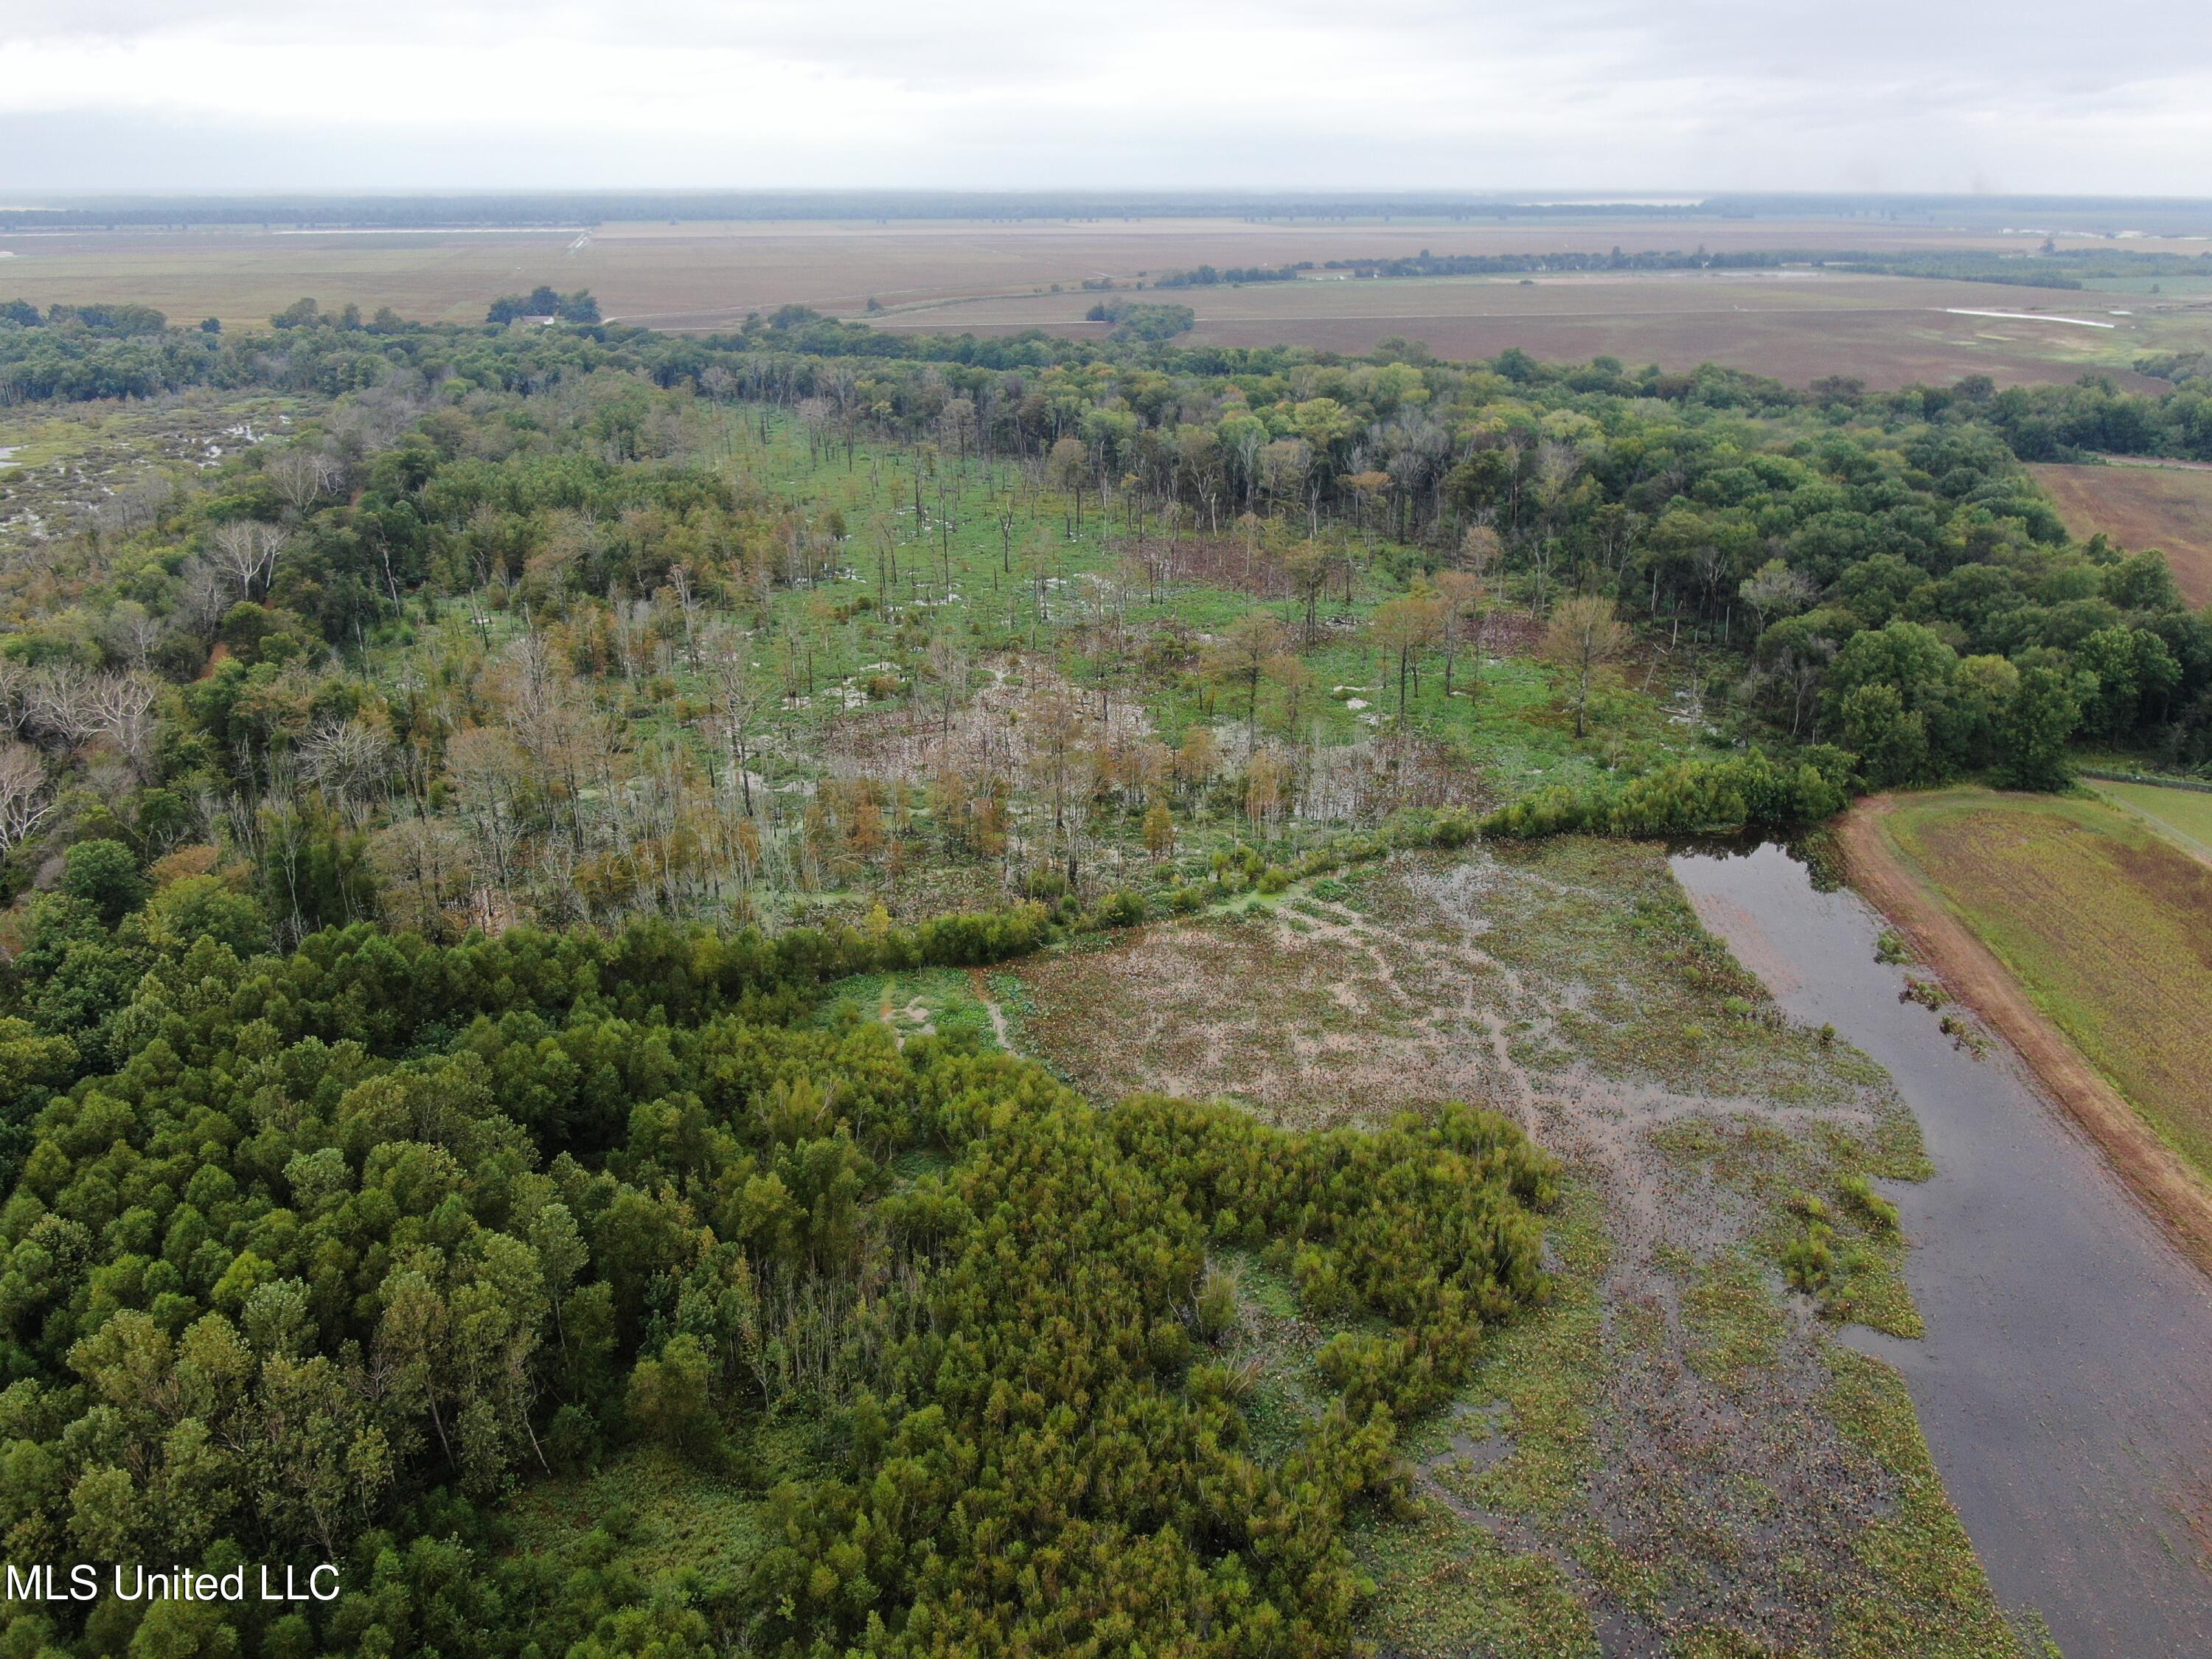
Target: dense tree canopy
x=327 y=1253
x=1875 y=572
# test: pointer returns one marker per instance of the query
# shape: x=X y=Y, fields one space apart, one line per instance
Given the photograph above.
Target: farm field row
x=2106 y=923
x=1795 y=324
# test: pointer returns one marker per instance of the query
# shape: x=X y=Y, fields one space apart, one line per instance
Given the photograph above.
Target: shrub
x=1925 y=992
x=1216 y=1309
x=1808 y=1262
x=1692 y=797
x=1119 y=909
x=1859 y=1194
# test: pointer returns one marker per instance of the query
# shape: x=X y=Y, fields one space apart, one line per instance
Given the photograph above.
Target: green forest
x=358 y=1239
x=442 y=791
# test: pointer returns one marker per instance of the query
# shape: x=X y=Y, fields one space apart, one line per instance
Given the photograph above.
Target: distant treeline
x=105 y=319
x=2062 y=270
x=2106 y=214
x=1425 y=263
x=104 y=351
x=543 y=301
x=2081 y=215
x=598 y=207
x=1135 y=320
x=1207 y=277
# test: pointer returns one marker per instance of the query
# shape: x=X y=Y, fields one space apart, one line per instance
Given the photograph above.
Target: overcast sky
x=1644 y=95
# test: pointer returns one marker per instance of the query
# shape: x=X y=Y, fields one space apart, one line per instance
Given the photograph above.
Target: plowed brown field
x=2167 y=507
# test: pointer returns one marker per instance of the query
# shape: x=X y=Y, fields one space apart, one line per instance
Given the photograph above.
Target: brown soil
x=1796 y=326
x=707 y=274
x=1970 y=971
x=999 y=277
x=2136 y=506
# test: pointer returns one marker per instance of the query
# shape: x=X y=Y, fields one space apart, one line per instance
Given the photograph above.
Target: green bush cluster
x=337 y=1251
x=1879 y=1213
x=1692 y=797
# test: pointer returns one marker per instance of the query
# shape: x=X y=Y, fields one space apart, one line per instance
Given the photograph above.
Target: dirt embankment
x=1971 y=972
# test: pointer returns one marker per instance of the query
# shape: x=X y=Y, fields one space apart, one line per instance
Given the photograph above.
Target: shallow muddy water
x=2065 y=1385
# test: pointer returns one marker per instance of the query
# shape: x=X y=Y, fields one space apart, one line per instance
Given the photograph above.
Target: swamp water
x=2065 y=1385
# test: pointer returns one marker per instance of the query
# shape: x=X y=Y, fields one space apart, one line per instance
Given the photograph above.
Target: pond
x=2065 y=1385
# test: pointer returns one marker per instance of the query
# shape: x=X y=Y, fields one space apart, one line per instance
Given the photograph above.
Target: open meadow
x=2104 y=922
x=2138 y=504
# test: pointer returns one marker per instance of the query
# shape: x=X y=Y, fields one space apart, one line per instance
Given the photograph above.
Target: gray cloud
x=1705 y=94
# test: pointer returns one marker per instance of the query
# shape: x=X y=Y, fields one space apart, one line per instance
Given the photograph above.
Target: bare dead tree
x=737 y=700
x=486 y=767
x=246 y=550
x=25 y=797
x=14 y=691
x=687 y=600
x=58 y=704
x=122 y=709
x=138 y=503
x=205 y=596
x=303 y=475
x=349 y=760
x=131 y=631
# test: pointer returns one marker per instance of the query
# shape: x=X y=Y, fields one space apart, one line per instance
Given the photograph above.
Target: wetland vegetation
x=612 y=940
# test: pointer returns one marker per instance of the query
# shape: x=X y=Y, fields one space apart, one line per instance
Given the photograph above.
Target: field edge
x=2154 y=1171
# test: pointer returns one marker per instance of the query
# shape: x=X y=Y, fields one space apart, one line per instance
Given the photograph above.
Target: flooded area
x=2065 y=1385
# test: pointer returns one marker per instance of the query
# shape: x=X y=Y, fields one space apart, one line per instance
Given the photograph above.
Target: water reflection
x=2065 y=1385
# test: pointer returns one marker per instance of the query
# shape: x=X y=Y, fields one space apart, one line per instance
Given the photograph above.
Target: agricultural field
x=1795 y=324
x=2183 y=814
x=2137 y=505
x=1672 y=1453
x=2104 y=922
x=999 y=278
